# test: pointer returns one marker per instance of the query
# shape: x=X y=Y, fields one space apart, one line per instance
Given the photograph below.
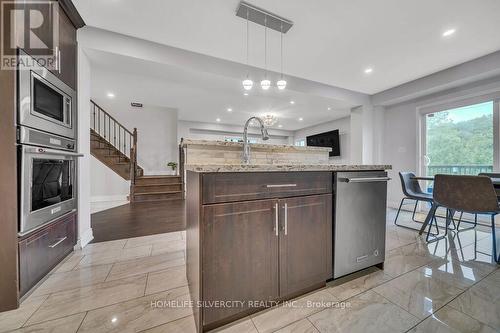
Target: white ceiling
x=202 y=96
x=332 y=41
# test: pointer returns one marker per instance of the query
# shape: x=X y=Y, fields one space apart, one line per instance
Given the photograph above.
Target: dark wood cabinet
x=44 y=249
x=240 y=259
x=251 y=242
x=66 y=69
x=305 y=242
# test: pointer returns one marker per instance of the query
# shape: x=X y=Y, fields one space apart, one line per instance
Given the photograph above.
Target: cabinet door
x=240 y=256
x=305 y=242
x=67 y=46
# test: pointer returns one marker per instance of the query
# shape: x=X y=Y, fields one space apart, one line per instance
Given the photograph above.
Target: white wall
x=208 y=131
x=84 y=79
x=344 y=127
x=105 y=184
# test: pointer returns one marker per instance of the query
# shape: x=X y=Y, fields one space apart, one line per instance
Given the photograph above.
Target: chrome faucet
x=246 y=145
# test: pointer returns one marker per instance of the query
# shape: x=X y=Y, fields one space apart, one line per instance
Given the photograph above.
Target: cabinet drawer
x=43 y=250
x=231 y=187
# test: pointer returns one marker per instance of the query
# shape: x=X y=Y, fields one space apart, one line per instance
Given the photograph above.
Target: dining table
x=430 y=214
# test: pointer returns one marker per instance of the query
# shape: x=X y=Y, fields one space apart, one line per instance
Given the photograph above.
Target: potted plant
x=173 y=165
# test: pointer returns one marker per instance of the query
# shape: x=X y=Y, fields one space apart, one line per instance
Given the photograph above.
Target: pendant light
x=281 y=84
x=247 y=83
x=265 y=84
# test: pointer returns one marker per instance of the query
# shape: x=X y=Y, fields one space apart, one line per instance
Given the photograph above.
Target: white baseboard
x=104 y=198
x=85 y=238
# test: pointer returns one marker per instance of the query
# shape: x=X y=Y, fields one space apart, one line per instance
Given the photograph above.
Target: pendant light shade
x=247 y=84
x=265 y=84
x=281 y=84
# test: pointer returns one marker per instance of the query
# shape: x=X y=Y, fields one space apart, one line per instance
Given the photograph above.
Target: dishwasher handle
x=364 y=179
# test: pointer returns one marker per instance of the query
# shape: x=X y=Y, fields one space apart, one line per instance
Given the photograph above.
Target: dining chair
x=412 y=191
x=470 y=194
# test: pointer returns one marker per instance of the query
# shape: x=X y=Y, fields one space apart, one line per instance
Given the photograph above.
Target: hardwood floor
x=138 y=219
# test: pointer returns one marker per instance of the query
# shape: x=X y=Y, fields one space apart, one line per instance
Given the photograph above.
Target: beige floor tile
x=244 y=326
x=482 y=301
x=73 y=279
x=462 y=274
x=418 y=293
x=104 y=246
x=146 y=265
x=139 y=314
x=183 y=325
x=300 y=308
x=87 y=298
x=70 y=262
x=63 y=325
x=168 y=246
x=169 y=278
x=11 y=320
x=368 y=312
x=449 y=320
x=113 y=256
x=150 y=240
x=301 y=326
x=357 y=283
x=407 y=258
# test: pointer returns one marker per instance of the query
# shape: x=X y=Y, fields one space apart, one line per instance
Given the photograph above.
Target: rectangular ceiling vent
x=136 y=105
x=263 y=17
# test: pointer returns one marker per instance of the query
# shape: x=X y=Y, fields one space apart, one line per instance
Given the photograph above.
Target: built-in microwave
x=45 y=102
x=47 y=185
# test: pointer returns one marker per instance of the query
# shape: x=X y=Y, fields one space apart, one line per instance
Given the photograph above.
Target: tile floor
x=448 y=286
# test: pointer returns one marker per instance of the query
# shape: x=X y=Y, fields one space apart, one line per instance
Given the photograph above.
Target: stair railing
x=116 y=135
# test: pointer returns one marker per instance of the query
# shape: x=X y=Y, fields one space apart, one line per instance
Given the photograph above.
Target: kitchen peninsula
x=265 y=232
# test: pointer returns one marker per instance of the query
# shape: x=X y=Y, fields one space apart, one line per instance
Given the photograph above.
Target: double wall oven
x=47 y=157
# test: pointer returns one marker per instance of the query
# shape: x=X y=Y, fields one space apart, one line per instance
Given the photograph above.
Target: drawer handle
x=280 y=185
x=365 y=180
x=58 y=242
x=276 y=220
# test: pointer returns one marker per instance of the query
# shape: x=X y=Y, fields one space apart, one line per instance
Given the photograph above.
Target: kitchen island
x=259 y=234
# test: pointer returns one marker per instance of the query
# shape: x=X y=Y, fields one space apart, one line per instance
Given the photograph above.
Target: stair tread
x=149 y=185
x=159 y=176
x=162 y=192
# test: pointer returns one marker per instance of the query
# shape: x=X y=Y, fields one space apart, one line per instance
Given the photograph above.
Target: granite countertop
x=187 y=142
x=283 y=167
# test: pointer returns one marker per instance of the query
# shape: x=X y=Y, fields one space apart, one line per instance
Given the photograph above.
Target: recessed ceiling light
x=280 y=126
x=110 y=95
x=449 y=32
x=245 y=93
x=300 y=119
x=229 y=110
x=368 y=70
x=292 y=102
x=217 y=120
x=329 y=108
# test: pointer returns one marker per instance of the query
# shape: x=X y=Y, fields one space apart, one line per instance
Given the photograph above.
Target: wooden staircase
x=116 y=147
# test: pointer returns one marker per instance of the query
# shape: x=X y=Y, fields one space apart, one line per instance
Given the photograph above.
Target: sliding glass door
x=460 y=141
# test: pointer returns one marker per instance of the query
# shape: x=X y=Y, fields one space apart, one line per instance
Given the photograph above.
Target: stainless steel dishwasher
x=360 y=215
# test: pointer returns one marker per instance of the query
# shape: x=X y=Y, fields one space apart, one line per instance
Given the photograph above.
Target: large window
x=460 y=140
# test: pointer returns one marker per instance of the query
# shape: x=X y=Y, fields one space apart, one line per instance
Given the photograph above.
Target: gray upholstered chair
x=470 y=194
x=412 y=191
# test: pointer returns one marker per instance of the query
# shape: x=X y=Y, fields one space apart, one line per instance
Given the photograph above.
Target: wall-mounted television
x=327 y=139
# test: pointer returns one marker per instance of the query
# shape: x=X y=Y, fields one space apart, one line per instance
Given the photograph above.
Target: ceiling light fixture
x=111 y=95
x=247 y=83
x=245 y=93
x=229 y=110
x=281 y=84
x=300 y=119
x=292 y=102
x=368 y=70
x=269 y=120
x=265 y=84
x=329 y=108
x=217 y=120
x=449 y=32
x=280 y=126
